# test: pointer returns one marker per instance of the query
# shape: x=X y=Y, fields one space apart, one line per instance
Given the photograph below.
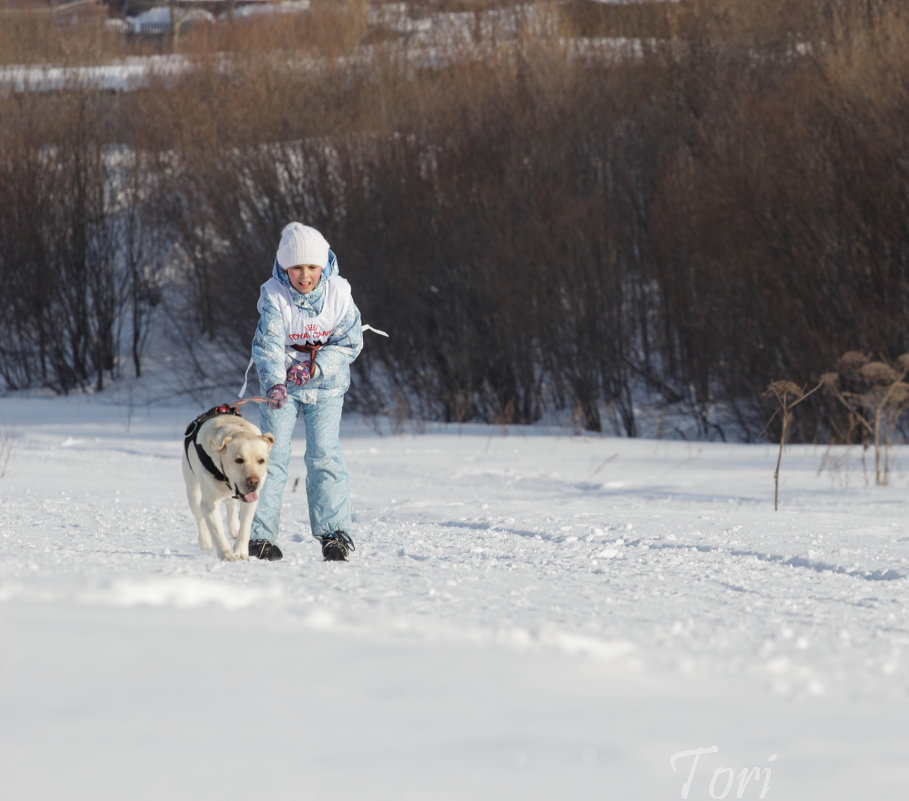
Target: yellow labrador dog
x=225 y=459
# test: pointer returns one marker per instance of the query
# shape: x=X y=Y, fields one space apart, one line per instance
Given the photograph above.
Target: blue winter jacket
x=331 y=370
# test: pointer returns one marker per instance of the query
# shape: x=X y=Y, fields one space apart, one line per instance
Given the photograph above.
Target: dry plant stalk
x=6 y=450
x=788 y=395
x=881 y=395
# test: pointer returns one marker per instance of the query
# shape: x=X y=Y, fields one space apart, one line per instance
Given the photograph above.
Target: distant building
x=149 y=17
x=157 y=17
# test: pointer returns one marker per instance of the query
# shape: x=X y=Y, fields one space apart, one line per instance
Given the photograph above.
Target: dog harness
x=190 y=439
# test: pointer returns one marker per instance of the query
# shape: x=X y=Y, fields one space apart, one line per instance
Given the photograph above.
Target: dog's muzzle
x=248 y=497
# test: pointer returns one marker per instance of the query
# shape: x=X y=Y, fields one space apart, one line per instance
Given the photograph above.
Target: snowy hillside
x=528 y=615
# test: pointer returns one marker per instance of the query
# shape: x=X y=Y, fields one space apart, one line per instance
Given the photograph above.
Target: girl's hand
x=299 y=373
x=277 y=396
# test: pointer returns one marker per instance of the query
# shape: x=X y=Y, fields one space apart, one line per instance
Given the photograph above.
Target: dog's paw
x=230 y=556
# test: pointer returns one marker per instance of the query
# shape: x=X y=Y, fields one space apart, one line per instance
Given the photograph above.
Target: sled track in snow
x=772 y=558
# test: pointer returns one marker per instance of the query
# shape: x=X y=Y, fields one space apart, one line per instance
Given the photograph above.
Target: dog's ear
x=219 y=444
x=269 y=438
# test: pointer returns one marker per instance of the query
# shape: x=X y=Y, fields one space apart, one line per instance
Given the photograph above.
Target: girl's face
x=304 y=277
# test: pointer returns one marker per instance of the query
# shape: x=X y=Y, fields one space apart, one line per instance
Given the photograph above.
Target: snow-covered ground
x=529 y=614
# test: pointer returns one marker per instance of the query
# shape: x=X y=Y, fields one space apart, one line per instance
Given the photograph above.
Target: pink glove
x=277 y=396
x=299 y=373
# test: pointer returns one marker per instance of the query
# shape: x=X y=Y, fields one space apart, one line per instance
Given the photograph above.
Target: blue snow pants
x=327 y=480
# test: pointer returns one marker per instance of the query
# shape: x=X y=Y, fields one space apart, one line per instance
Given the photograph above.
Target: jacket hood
x=331 y=269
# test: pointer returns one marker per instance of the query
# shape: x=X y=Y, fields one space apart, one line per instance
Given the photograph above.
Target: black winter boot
x=336 y=547
x=263 y=549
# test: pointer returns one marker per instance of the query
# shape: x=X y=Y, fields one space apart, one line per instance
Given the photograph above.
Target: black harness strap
x=190 y=438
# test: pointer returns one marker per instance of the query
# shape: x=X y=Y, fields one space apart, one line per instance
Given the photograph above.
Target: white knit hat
x=301 y=244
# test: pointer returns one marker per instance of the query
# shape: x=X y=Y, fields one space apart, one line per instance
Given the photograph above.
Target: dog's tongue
x=249 y=497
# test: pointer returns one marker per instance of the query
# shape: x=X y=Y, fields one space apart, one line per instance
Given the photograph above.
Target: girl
x=309 y=332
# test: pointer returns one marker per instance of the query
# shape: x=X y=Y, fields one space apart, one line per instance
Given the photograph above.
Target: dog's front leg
x=194 y=495
x=233 y=517
x=204 y=536
x=246 y=514
x=211 y=512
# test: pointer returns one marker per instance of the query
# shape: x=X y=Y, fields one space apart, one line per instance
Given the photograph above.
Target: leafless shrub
x=545 y=217
x=35 y=35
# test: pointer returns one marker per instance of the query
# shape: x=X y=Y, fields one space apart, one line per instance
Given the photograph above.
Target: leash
x=250 y=399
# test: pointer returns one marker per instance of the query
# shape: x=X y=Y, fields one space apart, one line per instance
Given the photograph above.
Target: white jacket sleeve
x=268 y=350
